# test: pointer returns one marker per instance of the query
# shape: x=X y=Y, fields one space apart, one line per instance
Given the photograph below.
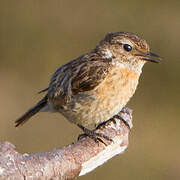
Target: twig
x=67 y=162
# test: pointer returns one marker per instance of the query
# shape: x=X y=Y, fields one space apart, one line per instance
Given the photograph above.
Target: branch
x=70 y=161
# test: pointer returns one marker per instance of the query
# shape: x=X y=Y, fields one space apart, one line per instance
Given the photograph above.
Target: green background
x=38 y=36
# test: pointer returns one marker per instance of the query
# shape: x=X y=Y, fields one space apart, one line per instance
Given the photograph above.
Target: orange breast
x=119 y=81
x=117 y=89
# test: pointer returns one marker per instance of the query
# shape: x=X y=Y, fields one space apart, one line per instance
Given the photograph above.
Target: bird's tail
x=26 y=116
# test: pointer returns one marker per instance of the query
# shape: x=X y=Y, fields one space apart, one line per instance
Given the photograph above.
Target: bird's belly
x=92 y=108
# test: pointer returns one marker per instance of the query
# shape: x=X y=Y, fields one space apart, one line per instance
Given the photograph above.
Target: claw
x=93 y=135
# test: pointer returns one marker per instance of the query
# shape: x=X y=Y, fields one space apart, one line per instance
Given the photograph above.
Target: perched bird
x=94 y=87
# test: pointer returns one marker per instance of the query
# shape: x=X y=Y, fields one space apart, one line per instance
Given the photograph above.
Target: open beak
x=149 y=56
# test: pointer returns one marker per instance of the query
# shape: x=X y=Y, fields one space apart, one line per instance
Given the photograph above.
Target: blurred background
x=36 y=37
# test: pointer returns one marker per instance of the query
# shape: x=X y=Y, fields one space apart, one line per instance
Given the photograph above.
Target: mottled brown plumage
x=96 y=86
x=80 y=75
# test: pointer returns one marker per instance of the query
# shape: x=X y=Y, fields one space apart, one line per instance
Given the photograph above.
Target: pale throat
x=136 y=67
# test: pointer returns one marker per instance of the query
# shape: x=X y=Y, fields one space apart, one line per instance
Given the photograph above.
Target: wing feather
x=80 y=75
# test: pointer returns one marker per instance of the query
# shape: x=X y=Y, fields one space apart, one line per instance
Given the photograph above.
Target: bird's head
x=127 y=49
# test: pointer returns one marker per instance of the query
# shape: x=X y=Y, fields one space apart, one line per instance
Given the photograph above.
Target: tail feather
x=25 y=117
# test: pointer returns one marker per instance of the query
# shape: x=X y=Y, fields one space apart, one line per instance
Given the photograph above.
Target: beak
x=149 y=56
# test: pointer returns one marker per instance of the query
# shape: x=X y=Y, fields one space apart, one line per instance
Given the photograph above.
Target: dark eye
x=127 y=47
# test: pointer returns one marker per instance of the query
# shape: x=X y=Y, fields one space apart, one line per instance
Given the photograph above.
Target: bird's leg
x=97 y=136
x=93 y=135
x=118 y=116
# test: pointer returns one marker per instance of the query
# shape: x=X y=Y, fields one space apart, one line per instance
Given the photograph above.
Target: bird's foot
x=118 y=116
x=93 y=135
x=123 y=120
x=123 y=116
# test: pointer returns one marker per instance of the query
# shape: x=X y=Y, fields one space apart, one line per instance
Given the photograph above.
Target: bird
x=94 y=87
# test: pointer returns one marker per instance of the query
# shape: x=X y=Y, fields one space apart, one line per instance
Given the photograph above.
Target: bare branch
x=70 y=161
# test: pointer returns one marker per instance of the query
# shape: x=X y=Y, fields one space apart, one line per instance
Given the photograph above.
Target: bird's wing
x=80 y=75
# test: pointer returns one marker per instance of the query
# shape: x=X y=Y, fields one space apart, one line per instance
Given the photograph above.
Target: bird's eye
x=127 y=47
